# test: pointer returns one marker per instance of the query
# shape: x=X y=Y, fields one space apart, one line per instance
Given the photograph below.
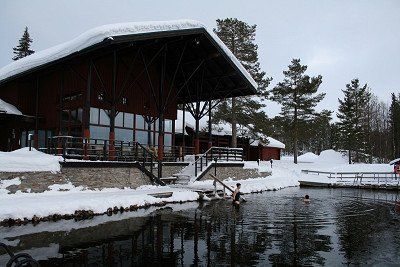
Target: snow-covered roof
x=394 y=161
x=99 y=34
x=272 y=142
x=221 y=129
x=8 y=108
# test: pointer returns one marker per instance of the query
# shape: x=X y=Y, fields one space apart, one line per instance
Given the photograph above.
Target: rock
x=116 y=209
x=109 y=211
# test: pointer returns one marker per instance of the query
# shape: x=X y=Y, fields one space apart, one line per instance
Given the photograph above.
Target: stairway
x=196 y=169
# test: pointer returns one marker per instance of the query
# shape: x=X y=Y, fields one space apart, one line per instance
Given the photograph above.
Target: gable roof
x=107 y=32
x=9 y=109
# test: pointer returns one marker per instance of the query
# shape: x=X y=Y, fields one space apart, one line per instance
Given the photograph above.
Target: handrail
x=324 y=172
x=358 y=177
x=19 y=259
x=224 y=185
x=217 y=151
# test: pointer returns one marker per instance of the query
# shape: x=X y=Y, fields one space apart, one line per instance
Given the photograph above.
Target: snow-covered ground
x=66 y=198
x=20 y=205
x=23 y=160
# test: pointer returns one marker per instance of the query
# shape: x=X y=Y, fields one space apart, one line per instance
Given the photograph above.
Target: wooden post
x=111 y=138
x=36 y=135
x=86 y=131
x=209 y=125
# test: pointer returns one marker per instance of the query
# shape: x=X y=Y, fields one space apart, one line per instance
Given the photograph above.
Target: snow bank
x=8 y=108
x=23 y=160
x=99 y=34
x=332 y=156
x=68 y=225
x=6 y=183
x=22 y=205
x=281 y=177
x=308 y=157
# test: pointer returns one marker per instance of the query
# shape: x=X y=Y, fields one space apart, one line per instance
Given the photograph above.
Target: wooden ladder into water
x=225 y=186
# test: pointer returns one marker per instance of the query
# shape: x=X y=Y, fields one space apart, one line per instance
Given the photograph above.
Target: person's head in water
x=238 y=185
x=307 y=197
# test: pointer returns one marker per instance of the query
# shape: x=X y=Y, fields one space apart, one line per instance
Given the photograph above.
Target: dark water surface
x=339 y=226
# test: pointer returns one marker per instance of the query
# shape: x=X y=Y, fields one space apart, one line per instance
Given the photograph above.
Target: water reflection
x=273 y=228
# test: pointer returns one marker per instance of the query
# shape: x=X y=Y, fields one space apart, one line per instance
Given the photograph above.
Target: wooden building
x=221 y=136
x=119 y=83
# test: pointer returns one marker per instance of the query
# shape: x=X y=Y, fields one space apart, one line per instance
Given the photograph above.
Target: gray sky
x=339 y=39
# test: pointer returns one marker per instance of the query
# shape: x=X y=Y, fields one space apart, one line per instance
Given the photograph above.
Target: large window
x=128 y=120
x=124 y=134
x=99 y=132
x=128 y=127
x=104 y=118
x=141 y=137
x=119 y=119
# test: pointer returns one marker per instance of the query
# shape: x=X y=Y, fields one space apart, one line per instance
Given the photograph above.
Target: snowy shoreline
x=66 y=201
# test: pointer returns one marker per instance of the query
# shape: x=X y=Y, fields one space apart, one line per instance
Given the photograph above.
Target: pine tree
x=394 y=118
x=239 y=37
x=297 y=95
x=352 y=117
x=23 y=48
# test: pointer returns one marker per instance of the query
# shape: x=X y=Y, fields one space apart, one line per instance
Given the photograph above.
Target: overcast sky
x=340 y=40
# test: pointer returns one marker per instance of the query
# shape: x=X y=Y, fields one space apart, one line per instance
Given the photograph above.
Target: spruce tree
x=352 y=117
x=394 y=118
x=239 y=37
x=297 y=94
x=23 y=48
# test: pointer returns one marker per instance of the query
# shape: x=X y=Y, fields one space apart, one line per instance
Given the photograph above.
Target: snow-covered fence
x=359 y=178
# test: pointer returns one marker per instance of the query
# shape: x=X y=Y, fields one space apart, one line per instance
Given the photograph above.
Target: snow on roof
x=272 y=142
x=99 y=34
x=394 y=161
x=8 y=108
x=308 y=157
x=221 y=129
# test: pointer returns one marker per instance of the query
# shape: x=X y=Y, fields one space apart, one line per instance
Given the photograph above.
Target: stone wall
x=89 y=177
x=169 y=169
x=235 y=172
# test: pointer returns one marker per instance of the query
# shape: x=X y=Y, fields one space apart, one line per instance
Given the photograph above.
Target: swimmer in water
x=236 y=195
x=306 y=199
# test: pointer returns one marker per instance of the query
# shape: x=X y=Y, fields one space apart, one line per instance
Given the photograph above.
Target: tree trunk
x=295 y=137
x=349 y=156
x=234 y=123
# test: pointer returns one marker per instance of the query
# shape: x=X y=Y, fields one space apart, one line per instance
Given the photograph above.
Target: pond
x=339 y=226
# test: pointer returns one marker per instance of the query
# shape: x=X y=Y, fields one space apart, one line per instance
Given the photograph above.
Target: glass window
x=141 y=137
x=104 y=118
x=76 y=115
x=155 y=139
x=42 y=138
x=23 y=139
x=99 y=132
x=80 y=114
x=123 y=134
x=119 y=119
x=168 y=126
x=139 y=122
x=128 y=120
x=94 y=115
x=156 y=124
x=65 y=115
x=167 y=139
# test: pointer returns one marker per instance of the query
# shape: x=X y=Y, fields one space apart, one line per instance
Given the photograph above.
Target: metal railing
x=19 y=259
x=217 y=154
x=385 y=178
x=101 y=149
